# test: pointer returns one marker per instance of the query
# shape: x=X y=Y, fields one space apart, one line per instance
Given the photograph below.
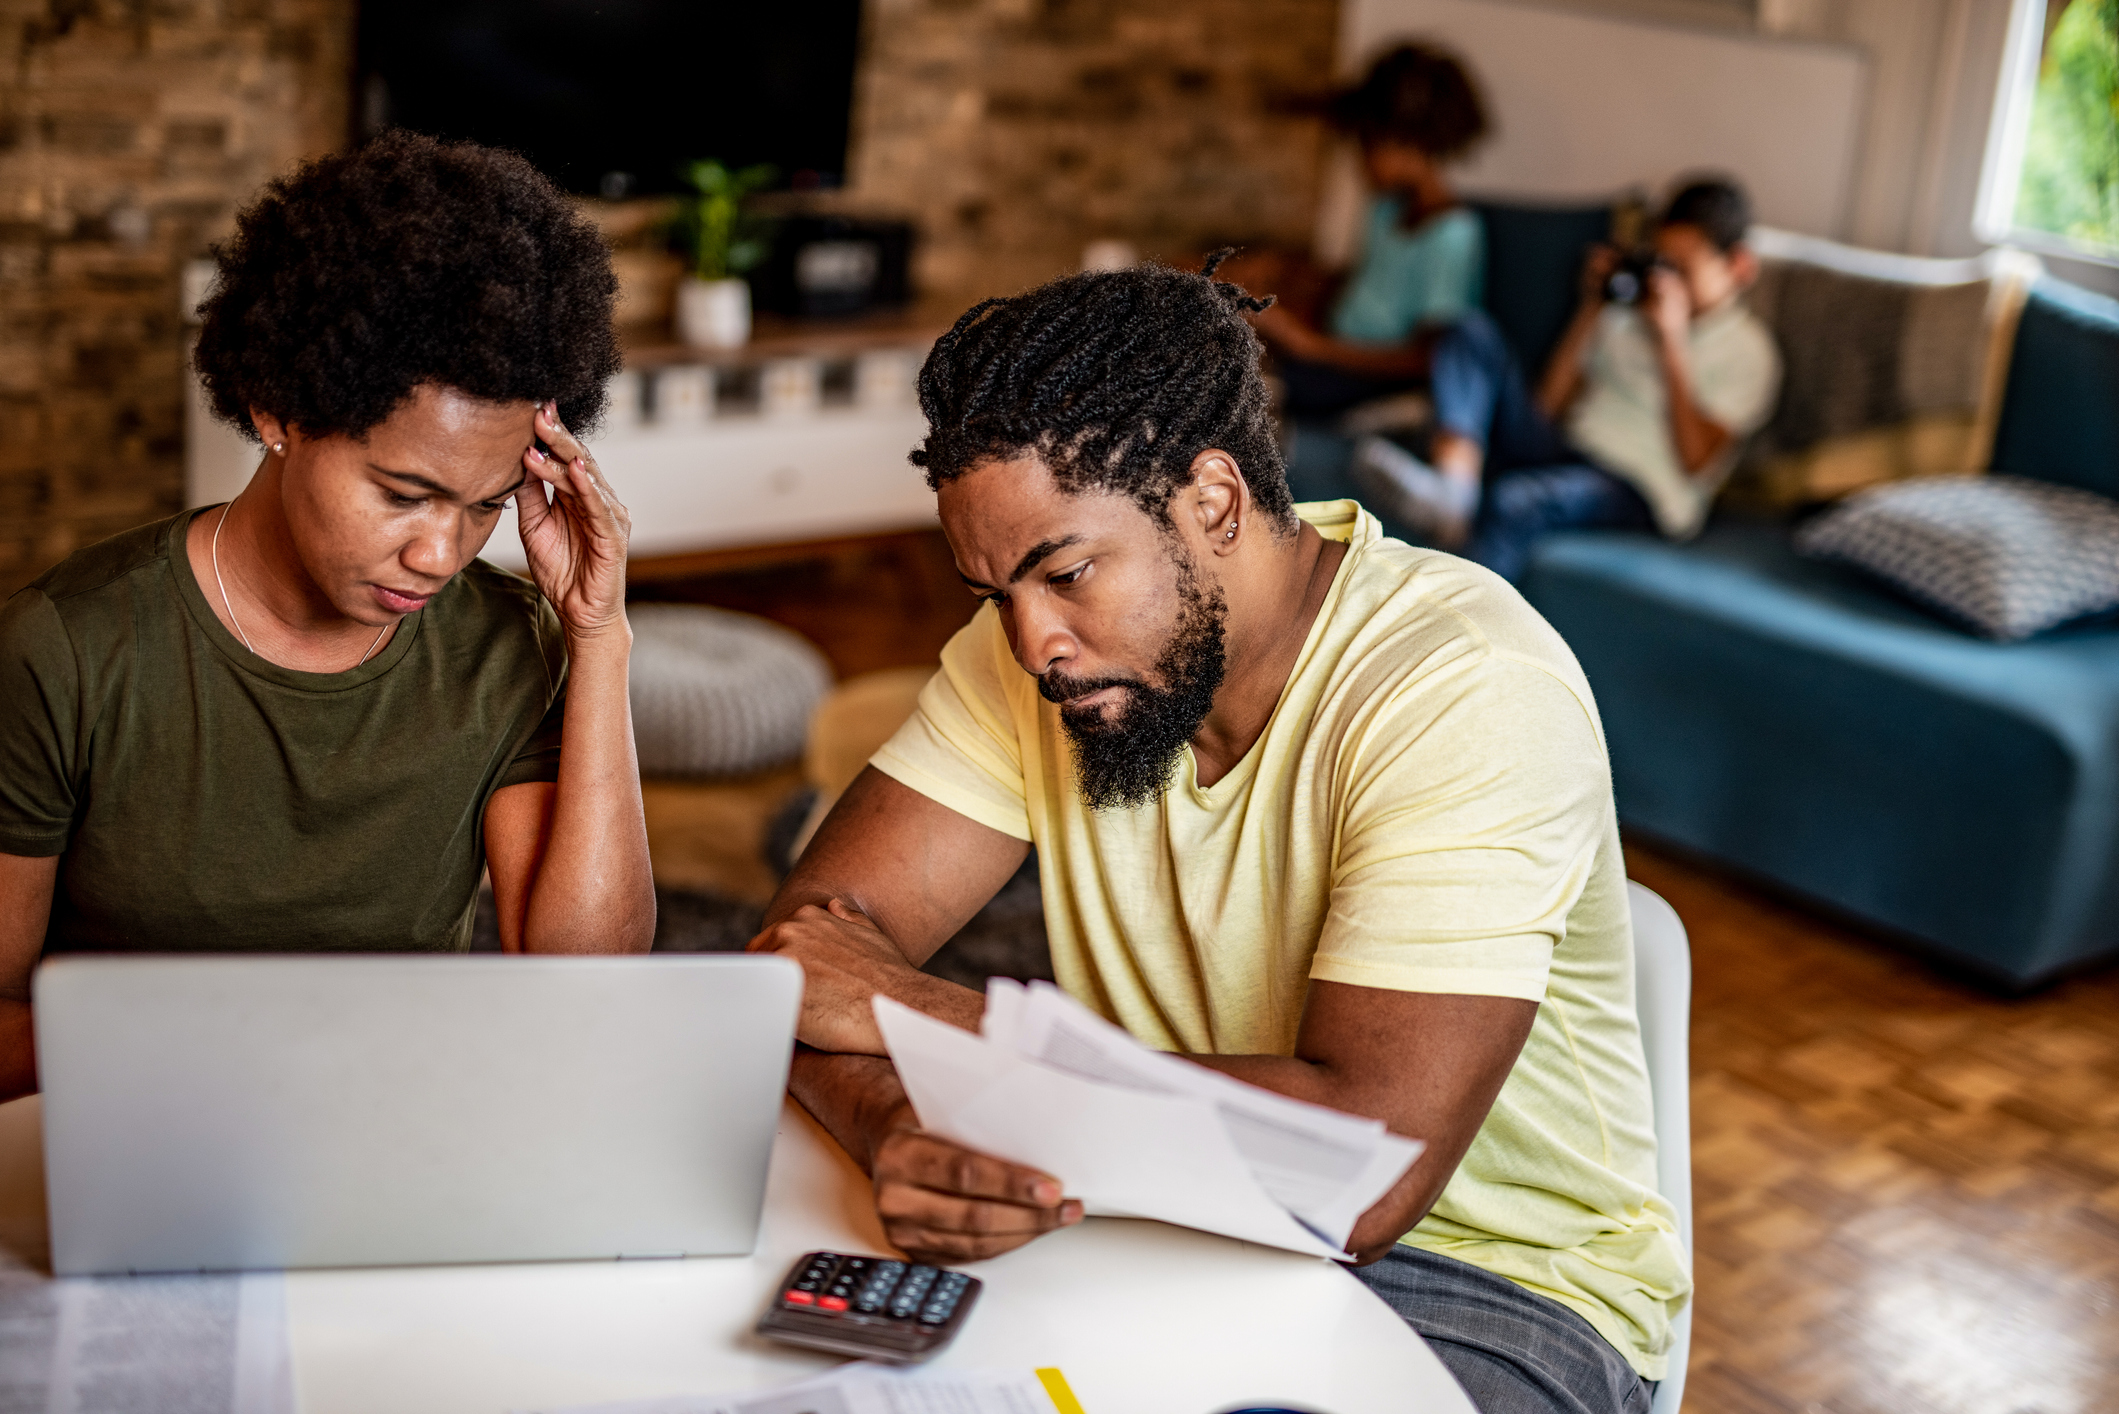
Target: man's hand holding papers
x=941 y=1202
x=1136 y=1133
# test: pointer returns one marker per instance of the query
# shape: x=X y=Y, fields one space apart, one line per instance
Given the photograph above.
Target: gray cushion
x=719 y=694
x=2005 y=555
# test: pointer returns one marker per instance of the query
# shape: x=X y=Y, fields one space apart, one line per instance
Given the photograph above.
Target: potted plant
x=718 y=245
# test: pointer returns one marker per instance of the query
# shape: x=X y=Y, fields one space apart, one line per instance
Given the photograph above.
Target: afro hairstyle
x=361 y=276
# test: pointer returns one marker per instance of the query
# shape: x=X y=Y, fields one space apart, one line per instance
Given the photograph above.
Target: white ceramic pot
x=713 y=314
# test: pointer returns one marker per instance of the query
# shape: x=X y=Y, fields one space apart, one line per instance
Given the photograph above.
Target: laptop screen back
x=213 y=1113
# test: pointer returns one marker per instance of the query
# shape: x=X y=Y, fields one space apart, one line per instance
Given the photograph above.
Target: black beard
x=1124 y=758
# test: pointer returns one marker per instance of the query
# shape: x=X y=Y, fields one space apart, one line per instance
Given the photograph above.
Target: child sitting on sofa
x=1423 y=252
x=1640 y=416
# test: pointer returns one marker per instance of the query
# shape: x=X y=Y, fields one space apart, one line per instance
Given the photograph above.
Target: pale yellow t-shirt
x=1429 y=810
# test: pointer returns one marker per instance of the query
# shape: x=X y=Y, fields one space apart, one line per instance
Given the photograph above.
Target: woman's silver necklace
x=219 y=583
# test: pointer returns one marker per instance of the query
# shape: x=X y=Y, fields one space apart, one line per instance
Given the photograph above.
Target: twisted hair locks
x=1116 y=379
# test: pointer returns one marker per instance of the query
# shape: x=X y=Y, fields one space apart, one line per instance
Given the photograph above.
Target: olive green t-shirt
x=205 y=800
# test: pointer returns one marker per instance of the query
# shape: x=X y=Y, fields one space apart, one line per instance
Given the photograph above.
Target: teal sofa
x=1797 y=722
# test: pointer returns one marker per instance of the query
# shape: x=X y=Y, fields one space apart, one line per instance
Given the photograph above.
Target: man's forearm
x=594 y=881
x=858 y=1099
x=1429 y=1067
x=1398 y=1211
x=18 y=1050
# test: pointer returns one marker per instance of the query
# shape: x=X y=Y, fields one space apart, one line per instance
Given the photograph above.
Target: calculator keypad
x=878 y=1306
x=876 y=1285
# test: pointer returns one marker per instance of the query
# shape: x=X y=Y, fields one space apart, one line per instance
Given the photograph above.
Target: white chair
x=1662 y=985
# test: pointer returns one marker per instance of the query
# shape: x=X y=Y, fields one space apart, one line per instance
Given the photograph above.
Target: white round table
x=1141 y=1318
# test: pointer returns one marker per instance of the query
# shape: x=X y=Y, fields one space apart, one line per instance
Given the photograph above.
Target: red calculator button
x=798 y=1298
x=831 y=1303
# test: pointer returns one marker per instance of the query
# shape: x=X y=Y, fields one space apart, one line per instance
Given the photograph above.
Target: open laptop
x=218 y=1113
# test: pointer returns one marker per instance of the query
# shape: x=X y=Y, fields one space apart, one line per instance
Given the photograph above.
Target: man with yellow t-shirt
x=1312 y=807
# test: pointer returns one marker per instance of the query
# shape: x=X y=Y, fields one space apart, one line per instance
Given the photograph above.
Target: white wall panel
x=1588 y=105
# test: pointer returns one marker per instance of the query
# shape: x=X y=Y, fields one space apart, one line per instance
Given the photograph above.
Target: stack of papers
x=1136 y=1133
x=210 y=1344
x=864 y=1388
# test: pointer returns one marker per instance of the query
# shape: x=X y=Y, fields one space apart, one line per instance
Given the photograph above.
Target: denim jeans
x=1535 y=481
x=1517 y=507
x=1479 y=393
x=1515 y=1352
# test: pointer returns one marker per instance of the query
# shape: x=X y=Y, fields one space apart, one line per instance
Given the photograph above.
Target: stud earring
x=279 y=449
x=1232 y=531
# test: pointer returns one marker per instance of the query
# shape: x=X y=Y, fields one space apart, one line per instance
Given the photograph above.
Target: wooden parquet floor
x=1907 y=1192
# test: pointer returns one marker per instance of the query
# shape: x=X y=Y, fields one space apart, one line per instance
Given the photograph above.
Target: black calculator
x=878 y=1308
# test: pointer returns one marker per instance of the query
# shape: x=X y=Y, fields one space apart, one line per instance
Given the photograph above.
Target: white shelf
x=702 y=478
x=757 y=480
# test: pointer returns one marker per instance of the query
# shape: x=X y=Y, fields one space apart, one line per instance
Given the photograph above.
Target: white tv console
x=799 y=437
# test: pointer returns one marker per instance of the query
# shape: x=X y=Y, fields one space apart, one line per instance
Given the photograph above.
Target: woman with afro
x=307 y=720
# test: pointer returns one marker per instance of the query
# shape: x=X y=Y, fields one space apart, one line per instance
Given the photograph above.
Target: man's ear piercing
x=279 y=449
x=1232 y=531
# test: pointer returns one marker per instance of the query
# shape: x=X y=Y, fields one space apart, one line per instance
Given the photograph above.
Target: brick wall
x=1016 y=131
x=129 y=133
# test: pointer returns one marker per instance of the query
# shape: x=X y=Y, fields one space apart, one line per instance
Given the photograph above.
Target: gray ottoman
x=717 y=693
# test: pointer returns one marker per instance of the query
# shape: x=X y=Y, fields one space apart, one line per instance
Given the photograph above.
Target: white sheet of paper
x=1120 y=1150
x=113 y=1345
x=1325 y=1166
x=1005 y=999
x=859 y=1388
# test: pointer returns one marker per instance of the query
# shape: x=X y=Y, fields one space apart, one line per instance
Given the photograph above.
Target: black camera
x=1628 y=281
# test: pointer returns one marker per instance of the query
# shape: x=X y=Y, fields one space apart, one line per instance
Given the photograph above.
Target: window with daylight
x=2052 y=173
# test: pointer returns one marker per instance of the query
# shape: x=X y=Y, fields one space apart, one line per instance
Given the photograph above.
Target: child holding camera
x=1640 y=415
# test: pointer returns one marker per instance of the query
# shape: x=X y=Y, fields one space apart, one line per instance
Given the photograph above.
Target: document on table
x=144 y=1345
x=1133 y=1132
x=864 y=1388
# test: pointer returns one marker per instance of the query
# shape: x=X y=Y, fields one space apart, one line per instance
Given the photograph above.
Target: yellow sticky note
x=1055 y=1385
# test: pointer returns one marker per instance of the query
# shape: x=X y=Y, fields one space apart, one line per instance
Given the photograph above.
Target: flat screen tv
x=609 y=97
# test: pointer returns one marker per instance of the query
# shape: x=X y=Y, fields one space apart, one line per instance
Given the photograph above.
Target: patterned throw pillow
x=2004 y=554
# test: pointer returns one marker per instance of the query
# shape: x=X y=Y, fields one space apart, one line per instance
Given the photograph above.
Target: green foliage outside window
x=2070 y=184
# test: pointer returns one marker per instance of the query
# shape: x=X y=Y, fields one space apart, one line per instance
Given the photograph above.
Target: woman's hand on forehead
x=576 y=542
